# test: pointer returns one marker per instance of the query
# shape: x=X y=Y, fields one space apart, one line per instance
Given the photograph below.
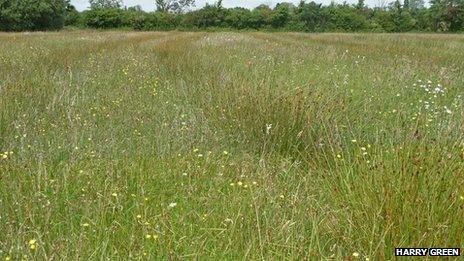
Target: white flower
x=173 y=204
x=268 y=128
x=447 y=110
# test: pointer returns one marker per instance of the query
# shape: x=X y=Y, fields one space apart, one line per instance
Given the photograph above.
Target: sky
x=149 y=5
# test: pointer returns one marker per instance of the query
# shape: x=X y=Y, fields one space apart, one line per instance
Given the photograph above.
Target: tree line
x=397 y=16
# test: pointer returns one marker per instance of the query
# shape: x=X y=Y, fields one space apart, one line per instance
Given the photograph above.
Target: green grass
x=271 y=146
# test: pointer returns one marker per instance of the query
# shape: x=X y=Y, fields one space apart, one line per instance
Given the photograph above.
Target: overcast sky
x=149 y=5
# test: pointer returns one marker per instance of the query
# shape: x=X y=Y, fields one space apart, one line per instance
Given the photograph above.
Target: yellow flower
x=225 y=152
x=356 y=254
x=148 y=236
x=85 y=224
x=139 y=216
x=114 y=194
x=239 y=183
x=354 y=141
x=7 y=258
x=282 y=196
x=32 y=247
x=32 y=242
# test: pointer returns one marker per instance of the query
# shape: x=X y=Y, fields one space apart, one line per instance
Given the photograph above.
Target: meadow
x=229 y=146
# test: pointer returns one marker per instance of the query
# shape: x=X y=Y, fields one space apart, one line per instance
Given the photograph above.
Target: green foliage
x=156 y=21
x=447 y=15
x=208 y=16
x=32 y=15
x=97 y=4
x=173 y=6
x=410 y=15
x=104 y=18
x=72 y=16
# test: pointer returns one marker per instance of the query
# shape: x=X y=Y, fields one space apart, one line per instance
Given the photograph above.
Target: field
x=236 y=146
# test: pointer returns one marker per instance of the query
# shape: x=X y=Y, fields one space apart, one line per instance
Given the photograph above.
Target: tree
x=447 y=15
x=312 y=16
x=416 y=4
x=32 y=15
x=280 y=16
x=360 y=5
x=174 y=6
x=208 y=16
x=71 y=15
x=98 y=4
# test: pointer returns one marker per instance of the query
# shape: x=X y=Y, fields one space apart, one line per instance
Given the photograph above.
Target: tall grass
x=120 y=145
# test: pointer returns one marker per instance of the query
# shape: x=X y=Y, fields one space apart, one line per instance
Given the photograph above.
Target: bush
x=32 y=15
x=104 y=18
x=156 y=21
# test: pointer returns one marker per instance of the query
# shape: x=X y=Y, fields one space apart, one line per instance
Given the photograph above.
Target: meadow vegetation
x=175 y=145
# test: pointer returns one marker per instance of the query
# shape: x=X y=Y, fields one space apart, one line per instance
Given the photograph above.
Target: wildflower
x=268 y=128
x=356 y=254
x=225 y=152
x=4 y=156
x=32 y=244
x=255 y=183
x=172 y=205
x=114 y=194
x=354 y=141
x=461 y=197
x=147 y=236
x=7 y=258
x=282 y=196
x=232 y=184
x=239 y=183
x=447 y=110
x=363 y=148
x=184 y=174
x=339 y=156
x=139 y=216
x=438 y=90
